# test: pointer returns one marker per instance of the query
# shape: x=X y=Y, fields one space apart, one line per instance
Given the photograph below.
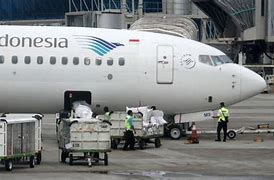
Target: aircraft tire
x=231 y=134
x=157 y=142
x=175 y=132
x=142 y=144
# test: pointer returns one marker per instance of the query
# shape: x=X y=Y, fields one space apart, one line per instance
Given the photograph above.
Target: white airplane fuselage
x=158 y=69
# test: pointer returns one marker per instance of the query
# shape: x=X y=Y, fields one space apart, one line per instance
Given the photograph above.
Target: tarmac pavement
x=241 y=158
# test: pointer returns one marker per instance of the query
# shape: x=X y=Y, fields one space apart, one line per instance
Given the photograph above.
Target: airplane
x=41 y=68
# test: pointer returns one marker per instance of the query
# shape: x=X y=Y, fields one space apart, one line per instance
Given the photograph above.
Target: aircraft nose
x=251 y=83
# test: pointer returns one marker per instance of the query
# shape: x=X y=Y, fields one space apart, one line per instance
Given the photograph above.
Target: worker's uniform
x=223 y=115
x=107 y=116
x=129 y=136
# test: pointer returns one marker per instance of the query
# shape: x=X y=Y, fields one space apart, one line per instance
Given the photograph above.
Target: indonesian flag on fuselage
x=134 y=40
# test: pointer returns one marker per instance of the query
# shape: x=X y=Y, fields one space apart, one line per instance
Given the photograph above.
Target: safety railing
x=93 y=5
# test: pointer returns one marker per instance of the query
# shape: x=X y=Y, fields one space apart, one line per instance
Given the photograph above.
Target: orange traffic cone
x=194 y=135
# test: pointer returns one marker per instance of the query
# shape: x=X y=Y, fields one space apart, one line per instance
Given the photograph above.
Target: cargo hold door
x=165 y=70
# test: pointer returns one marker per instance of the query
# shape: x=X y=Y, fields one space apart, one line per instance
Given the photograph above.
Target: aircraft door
x=165 y=70
x=72 y=96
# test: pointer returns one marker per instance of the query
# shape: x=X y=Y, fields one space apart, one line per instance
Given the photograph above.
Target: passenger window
x=2 y=59
x=217 y=61
x=121 y=61
x=98 y=61
x=27 y=59
x=75 y=60
x=87 y=61
x=64 y=60
x=52 y=60
x=14 y=59
x=110 y=61
x=205 y=59
x=39 y=60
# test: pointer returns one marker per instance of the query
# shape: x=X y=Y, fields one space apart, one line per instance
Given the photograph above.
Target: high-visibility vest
x=127 y=125
x=223 y=112
x=107 y=115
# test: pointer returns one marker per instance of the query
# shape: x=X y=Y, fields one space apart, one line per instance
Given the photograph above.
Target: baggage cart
x=83 y=139
x=20 y=139
x=144 y=134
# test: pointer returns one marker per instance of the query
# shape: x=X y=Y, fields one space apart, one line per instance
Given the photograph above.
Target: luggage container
x=145 y=132
x=83 y=139
x=20 y=139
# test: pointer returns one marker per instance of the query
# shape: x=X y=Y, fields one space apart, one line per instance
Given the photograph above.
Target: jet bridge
x=174 y=25
x=245 y=20
x=245 y=24
x=231 y=17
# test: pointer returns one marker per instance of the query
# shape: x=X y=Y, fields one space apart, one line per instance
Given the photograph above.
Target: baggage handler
x=129 y=129
x=223 y=115
x=107 y=113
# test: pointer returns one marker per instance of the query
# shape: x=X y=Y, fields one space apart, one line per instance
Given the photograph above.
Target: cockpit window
x=217 y=60
x=226 y=59
x=205 y=59
x=214 y=60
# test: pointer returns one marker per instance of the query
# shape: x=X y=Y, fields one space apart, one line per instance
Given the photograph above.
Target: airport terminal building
x=55 y=9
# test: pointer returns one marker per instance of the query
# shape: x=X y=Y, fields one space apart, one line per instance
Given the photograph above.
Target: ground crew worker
x=129 y=129
x=223 y=115
x=107 y=113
